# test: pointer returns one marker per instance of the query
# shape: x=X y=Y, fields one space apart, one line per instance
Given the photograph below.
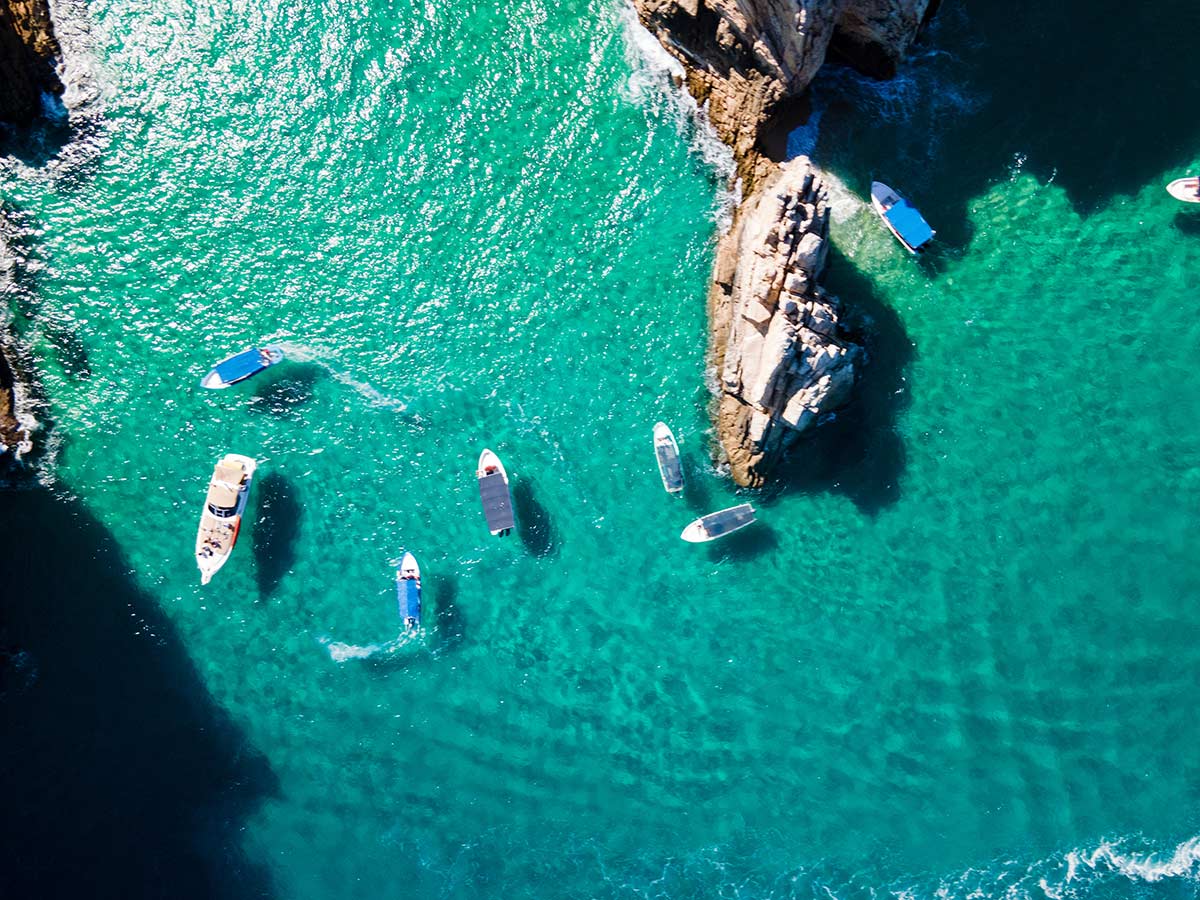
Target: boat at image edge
x=719 y=524
x=221 y=520
x=901 y=217
x=666 y=451
x=494 y=493
x=241 y=366
x=1185 y=189
x=408 y=591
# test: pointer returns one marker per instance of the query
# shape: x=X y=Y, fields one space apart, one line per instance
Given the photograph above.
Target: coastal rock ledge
x=787 y=358
x=28 y=55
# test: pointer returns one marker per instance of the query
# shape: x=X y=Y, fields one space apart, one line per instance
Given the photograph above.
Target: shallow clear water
x=958 y=653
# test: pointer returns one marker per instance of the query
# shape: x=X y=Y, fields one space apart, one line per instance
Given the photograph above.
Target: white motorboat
x=901 y=217
x=241 y=366
x=408 y=592
x=1185 y=189
x=495 y=494
x=666 y=451
x=221 y=519
x=718 y=524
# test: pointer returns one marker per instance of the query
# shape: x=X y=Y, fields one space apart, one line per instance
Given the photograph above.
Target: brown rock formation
x=784 y=358
x=28 y=50
x=12 y=435
x=749 y=62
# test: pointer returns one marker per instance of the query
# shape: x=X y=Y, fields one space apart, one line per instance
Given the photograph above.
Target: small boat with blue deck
x=495 y=494
x=408 y=592
x=719 y=524
x=241 y=366
x=666 y=451
x=901 y=217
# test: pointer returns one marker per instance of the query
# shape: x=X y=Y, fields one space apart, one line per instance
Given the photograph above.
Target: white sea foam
x=656 y=85
x=342 y=652
x=373 y=396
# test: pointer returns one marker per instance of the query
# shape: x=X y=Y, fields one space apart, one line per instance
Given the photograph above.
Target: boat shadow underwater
x=283 y=389
x=276 y=531
x=117 y=767
x=1187 y=222
x=534 y=525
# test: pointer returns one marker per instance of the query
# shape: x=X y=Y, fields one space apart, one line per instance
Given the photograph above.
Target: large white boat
x=719 y=524
x=494 y=493
x=221 y=519
x=666 y=451
x=1185 y=189
x=901 y=217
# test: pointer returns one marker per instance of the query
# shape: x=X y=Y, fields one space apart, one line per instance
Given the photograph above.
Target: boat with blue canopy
x=901 y=217
x=408 y=592
x=241 y=366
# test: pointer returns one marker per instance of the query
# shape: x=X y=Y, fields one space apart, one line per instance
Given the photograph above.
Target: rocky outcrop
x=787 y=358
x=28 y=51
x=12 y=435
x=782 y=354
x=749 y=62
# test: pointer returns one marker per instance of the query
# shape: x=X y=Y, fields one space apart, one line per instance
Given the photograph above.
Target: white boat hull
x=1185 y=189
x=218 y=535
x=499 y=506
x=664 y=439
x=719 y=524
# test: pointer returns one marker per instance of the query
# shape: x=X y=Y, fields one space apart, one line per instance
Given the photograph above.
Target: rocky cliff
x=749 y=62
x=783 y=356
x=28 y=51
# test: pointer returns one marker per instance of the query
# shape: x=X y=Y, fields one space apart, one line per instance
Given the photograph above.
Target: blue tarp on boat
x=909 y=224
x=241 y=366
x=409 y=597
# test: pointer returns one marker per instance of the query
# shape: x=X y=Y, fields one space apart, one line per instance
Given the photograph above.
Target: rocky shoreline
x=29 y=54
x=783 y=357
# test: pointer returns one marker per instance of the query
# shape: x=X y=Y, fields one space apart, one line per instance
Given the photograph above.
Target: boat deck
x=497 y=502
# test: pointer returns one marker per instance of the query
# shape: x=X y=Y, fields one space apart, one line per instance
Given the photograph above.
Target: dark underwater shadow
x=534 y=526
x=752 y=541
x=282 y=389
x=1053 y=89
x=858 y=452
x=275 y=531
x=1187 y=222
x=120 y=775
x=449 y=621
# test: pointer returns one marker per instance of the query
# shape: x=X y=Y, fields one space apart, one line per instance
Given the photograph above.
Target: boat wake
x=341 y=652
x=373 y=396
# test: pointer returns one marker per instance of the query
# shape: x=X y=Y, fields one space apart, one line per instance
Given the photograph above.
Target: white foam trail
x=342 y=652
x=373 y=396
x=656 y=85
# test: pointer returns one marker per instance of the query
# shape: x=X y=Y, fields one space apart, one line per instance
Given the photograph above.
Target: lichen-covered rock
x=28 y=51
x=786 y=359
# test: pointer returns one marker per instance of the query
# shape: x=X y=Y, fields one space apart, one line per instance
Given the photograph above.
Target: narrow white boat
x=666 y=451
x=408 y=592
x=719 y=524
x=241 y=366
x=1185 y=189
x=222 y=517
x=495 y=494
x=901 y=217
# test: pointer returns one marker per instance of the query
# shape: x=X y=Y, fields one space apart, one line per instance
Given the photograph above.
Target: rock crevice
x=28 y=54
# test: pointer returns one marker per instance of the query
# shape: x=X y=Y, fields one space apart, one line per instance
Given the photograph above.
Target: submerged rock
x=786 y=358
x=28 y=52
x=783 y=356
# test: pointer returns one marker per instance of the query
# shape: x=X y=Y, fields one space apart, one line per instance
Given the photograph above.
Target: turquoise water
x=957 y=657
